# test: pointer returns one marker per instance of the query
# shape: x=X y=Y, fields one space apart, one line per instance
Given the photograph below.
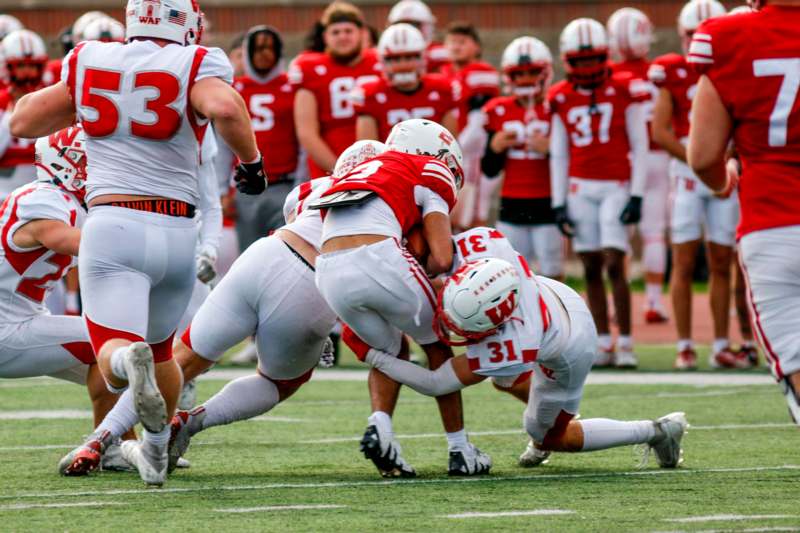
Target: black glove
x=632 y=213
x=563 y=221
x=250 y=178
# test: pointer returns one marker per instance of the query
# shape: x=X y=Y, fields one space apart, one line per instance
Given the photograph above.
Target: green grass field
x=741 y=469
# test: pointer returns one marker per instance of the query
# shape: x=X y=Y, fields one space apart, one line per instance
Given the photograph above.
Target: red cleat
x=747 y=356
x=686 y=360
x=84 y=459
x=725 y=358
x=654 y=316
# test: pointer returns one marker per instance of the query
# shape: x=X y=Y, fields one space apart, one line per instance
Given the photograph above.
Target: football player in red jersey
x=25 y=56
x=695 y=210
x=323 y=113
x=269 y=97
x=479 y=83
x=419 y=15
x=748 y=91
x=379 y=289
x=405 y=91
x=630 y=34
x=518 y=127
x=598 y=152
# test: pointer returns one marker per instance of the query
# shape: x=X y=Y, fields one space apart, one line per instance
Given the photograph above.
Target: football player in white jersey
x=268 y=288
x=144 y=106
x=535 y=338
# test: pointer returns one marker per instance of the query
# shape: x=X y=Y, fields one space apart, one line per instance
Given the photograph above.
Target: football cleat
x=183 y=463
x=792 y=399
x=113 y=460
x=385 y=454
x=604 y=357
x=469 y=461
x=533 y=456
x=725 y=358
x=747 y=356
x=667 y=442
x=686 y=360
x=625 y=358
x=87 y=457
x=188 y=397
x=150 y=462
x=655 y=316
x=184 y=424
x=147 y=399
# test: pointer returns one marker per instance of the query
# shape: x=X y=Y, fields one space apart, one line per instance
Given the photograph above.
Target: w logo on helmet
x=504 y=310
x=64 y=138
x=446 y=138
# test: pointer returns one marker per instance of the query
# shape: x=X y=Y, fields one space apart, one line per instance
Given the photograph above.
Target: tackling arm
x=54 y=235
x=452 y=376
x=709 y=135
x=306 y=119
x=43 y=112
x=438 y=235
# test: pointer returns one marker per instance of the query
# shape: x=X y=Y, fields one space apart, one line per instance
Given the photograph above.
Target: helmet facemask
x=587 y=69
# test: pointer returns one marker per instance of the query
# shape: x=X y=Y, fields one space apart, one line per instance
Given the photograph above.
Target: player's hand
x=502 y=141
x=539 y=143
x=733 y=169
x=564 y=223
x=206 y=262
x=250 y=178
x=327 y=358
x=632 y=213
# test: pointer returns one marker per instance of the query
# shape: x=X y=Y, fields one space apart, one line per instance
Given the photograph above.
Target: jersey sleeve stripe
x=199 y=131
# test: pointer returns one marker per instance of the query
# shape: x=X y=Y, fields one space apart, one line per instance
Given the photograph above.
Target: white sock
x=603 y=433
x=383 y=421
x=121 y=418
x=685 y=344
x=118 y=363
x=604 y=342
x=653 y=293
x=240 y=399
x=719 y=345
x=625 y=341
x=457 y=440
x=155 y=444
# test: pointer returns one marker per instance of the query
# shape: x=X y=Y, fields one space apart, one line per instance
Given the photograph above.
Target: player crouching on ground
x=535 y=338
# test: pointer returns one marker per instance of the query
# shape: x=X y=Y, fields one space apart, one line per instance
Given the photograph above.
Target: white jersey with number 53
x=133 y=101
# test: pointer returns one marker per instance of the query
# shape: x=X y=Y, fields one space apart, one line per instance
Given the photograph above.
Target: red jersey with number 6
x=596 y=126
x=271 y=107
x=753 y=60
x=331 y=83
x=394 y=176
x=142 y=134
x=27 y=274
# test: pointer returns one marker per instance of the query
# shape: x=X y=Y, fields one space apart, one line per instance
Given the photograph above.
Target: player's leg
x=520 y=237
x=652 y=229
x=517 y=386
x=748 y=353
x=548 y=248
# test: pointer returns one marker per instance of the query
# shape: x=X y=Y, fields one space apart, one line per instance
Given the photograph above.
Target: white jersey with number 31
x=133 y=102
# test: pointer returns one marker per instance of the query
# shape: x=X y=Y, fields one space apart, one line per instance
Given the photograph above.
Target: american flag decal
x=177 y=17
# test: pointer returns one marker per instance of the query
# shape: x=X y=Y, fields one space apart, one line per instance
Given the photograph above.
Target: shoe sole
x=675 y=439
x=177 y=449
x=147 y=399
x=133 y=454
x=371 y=449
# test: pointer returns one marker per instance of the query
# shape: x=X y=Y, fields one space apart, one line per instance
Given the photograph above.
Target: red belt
x=171 y=208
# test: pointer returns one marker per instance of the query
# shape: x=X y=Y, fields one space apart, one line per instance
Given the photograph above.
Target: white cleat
x=667 y=442
x=603 y=358
x=183 y=425
x=183 y=463
x=625 y=358
x=151 y=464
x=147 y=399
x=533 y=456
x=469 y=461
x=114 y=461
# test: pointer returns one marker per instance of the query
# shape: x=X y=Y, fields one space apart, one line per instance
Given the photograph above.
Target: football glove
x=632 y=213
x=206 y=262
x=250 y=178
x=564 y=223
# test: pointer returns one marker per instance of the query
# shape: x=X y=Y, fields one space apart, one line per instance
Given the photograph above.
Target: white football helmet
x=23 y=47
x=630 y=33
x=106 y=30
x=696 y=12
x=61 y=159
x=415 y=13
x=356 y=154
x=9 y=24
x=401 y=41
x=523 y=54
x=584 y=39
x=80 y=24
x=179 y=21
x=476 y=300
x=425 y=137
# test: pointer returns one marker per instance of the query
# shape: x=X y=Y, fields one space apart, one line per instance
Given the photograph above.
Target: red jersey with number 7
x=753 y=61
x=142 y=134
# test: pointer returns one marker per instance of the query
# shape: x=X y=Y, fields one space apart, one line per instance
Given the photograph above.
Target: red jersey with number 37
x=393 y=176
x=753 y=61
x=596 y=127
x=331 y=83
x=27 y=274
x=271 y=107
x=142 y=134
x=435 y=97
x=527 y=173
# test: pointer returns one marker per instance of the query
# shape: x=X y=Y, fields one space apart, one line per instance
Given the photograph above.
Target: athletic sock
x=603 y=433
x=625 y=341
x=457 y=440
x=653 y=293
x=383 y=421
x=241 y=399
x=118 y=363
x=121 y=418
x=604 y=342
x=719 y=345
x=685 y=344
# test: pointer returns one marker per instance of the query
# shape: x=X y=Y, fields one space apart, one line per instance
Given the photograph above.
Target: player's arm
x=436 y=228
x=43 y=112
x=452 y=376
x=663 y=133
x=54 y=235
x=219 y=102
x=450 y=121
x=210 y=222
x=306 y=121
x=494 y=155
x=559 y=174
x=366 y=128
x=709 y=136
x=636 y=128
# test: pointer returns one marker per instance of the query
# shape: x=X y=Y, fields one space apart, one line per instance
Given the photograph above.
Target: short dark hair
x=462 y=27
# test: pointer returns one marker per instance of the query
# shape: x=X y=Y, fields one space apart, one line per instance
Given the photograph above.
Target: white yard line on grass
x=26 y=506
x=729 y=518
x=277 y=508
x=534 y=512
x=400 y=482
